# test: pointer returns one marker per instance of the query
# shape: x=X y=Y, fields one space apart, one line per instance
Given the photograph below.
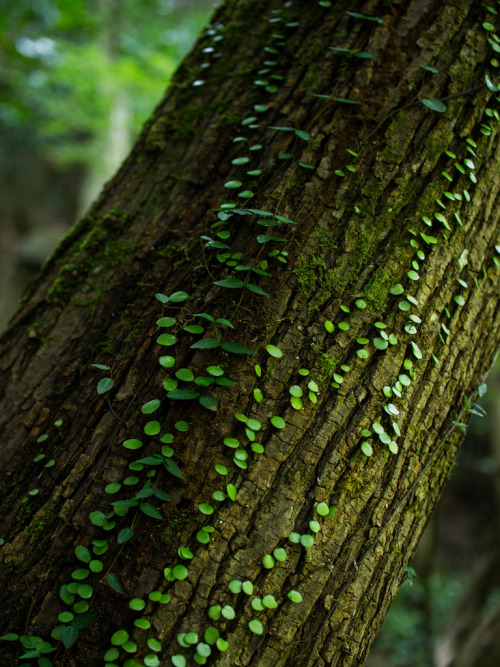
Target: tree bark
x=373 y=188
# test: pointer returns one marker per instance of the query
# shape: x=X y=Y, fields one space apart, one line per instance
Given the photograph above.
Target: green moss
x=40 y=521
x=309 y=270
x=103 y=247
x=324 y=367
x=176 y=524
x=377 y=291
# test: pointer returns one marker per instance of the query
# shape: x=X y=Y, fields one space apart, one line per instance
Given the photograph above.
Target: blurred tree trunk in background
x=297 y=385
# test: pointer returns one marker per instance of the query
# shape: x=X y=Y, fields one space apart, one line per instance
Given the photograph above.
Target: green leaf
x=366 y=448
x=209 y=402
x=307 y=541
x=302 y=134
x=294 y=596
x=166 y=322
x=205 y=344
x=133 y=443
x=69 y=636
x=124 y=535
x=230 y=282
x=105 y=385
x=274 y=351
x=150 y=406
x=256 y=289
x=222 y=320
x=101 y=367
x=166 y=362
x=278 y=422
x=264 y=238
x=194 y=329
x=83 y=554
x=236 y=348
x=178 y=660
x=233 y=185
x=380 y=343
x=152 y=428
x=166 y=339
x=185 y=374
x=150 y=510
x=83 y=620
x=172 y=468
x=434 y=105
x=119 y=637
x=205 y=508
x=114 y=582
x=177 y=297
x=128 y=502
x=357 y=15
x=216 y=371
x=183 y=394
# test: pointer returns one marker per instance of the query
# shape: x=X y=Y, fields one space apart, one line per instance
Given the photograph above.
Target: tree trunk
x=387 y=194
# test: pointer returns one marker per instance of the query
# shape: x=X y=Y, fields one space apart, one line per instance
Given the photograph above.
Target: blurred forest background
x=77 y=80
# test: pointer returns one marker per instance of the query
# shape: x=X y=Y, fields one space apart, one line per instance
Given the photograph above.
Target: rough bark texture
x=356 y=236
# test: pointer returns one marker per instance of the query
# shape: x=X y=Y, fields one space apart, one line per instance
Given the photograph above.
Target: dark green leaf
x=209 y=402
x=236 y=348
x=222 y=320
x=82 y=620
x=183 y=394
x=434 y=105
x=173 y=468
x=129 y=502
x=256 y=289
x=229 y=282
x=205 y=344
x=263 y=238
x=302 y=134
x=177 y=297
x=357 y=15
x=69 y=636
x=150 y=510
x=166 y=339
x=114 y=582
x=104 y=385
x=163 y=495
x=124 y=535
x=343 y=100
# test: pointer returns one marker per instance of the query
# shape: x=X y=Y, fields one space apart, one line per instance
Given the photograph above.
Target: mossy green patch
x=102 y=247
x=377 y=290
x=310 y=269
x=324 y=367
